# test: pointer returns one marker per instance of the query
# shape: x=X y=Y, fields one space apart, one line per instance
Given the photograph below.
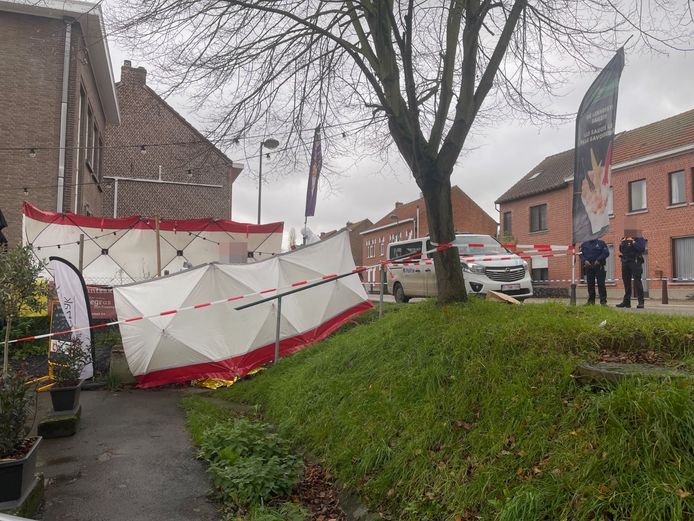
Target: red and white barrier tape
x=358 y=269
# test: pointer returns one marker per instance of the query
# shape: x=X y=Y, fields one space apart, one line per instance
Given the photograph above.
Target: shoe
x=640 y=305
x=590 y=303
x=604 y=303
x=623 y=305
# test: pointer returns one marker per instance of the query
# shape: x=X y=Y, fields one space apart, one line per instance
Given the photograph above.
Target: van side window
x=403 y=250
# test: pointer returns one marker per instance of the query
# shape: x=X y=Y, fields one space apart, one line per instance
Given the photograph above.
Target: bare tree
x=418 y=71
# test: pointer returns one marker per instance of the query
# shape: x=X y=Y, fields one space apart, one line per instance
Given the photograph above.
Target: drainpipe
x=417 y=224
x=63 y=116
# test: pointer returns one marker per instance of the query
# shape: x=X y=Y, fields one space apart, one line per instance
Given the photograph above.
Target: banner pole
x=277 y=330
x=572 y=299
x=81 y=257
x=158 y=235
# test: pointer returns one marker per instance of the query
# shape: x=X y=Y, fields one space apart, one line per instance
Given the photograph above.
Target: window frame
x=683 y=193
x=542 y=218
x=91 y=138
x=645 y=196
x=508 y=230
x=675 y=274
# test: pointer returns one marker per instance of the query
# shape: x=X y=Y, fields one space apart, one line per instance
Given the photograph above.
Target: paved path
x=132 y=459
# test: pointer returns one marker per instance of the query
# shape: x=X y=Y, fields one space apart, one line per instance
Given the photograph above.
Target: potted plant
x=66 y=366
x=17 y=452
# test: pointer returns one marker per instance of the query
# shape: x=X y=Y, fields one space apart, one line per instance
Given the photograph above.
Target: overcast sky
x=651 y=88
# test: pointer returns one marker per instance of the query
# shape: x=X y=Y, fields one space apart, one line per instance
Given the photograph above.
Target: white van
x=496 y=272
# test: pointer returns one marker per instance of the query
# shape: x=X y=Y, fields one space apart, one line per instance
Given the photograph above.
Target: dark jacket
x=631 y=249
x=594 y=251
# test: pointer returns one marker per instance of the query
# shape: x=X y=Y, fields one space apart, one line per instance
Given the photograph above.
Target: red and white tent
x=124 y=250
x=217 y=341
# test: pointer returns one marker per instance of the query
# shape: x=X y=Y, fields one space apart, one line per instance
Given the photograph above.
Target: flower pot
x=66 y=398
x=17 y=475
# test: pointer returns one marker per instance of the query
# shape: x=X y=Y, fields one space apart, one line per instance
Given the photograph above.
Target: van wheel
x=399 y=294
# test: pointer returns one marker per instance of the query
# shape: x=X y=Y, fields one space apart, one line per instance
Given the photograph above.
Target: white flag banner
x=72 y=295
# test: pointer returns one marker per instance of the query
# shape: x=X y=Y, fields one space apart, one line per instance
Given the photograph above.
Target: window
x=637 y=195
x=610 y=202
x=538 y=218
x=402 y=250
x=91 y=127
x=539 y=274
x=683 y=257
x=97 y=160
x=508 y=224
x=677 y=195
x=383 y=246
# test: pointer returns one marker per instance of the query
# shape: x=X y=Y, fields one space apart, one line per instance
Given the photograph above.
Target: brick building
x=408 y=220
x=56 y=98
x=355 y=239
x=652 y=191
x=158 y=163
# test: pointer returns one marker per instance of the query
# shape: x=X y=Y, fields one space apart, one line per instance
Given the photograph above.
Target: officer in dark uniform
x=593 y=255
x=631 y=251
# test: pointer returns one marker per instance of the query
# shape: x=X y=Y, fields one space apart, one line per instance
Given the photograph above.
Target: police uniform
x=631 y=252
x=593 y=255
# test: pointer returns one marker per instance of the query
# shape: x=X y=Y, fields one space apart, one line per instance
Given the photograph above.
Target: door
x=429 y=274
x=409 y=272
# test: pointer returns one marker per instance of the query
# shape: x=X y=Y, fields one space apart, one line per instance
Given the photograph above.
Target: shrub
x=67 y=364
x=15 y=400
x=249 y=464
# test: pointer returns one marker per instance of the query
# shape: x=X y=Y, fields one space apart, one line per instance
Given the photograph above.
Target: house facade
x=158 y=163
x=652 y=191
x=409 y=220
x=55 y=106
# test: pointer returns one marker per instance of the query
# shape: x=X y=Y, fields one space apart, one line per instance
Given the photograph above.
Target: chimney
x=129 y=74
x=398 y=204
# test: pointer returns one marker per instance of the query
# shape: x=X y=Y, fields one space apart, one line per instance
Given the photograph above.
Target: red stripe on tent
x=299 y=283
x=268 y=291
x=134 y=319
x=243 y=364
x=198 y=306
x=138 y=222
x=170 y=312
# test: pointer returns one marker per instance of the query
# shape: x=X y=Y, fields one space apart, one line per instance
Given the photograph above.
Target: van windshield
x=478 y=245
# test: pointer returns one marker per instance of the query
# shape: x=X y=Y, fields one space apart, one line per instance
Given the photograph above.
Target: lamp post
x=269 y=143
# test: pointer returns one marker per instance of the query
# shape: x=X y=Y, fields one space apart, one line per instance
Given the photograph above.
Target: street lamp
x=269 y=143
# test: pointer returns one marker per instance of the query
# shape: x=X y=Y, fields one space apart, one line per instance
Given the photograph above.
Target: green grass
x=470 y=411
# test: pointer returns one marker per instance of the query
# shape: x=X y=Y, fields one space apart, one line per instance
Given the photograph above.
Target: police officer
x=593 y=255
x=631 y=250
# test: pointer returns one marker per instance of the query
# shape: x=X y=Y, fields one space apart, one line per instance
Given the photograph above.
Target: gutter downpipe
x=63 y=116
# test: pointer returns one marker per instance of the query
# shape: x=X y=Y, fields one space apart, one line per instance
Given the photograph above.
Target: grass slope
x=470 y=412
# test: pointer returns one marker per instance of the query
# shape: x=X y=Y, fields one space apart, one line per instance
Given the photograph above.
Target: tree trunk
x=449 y=274
x=5 y=357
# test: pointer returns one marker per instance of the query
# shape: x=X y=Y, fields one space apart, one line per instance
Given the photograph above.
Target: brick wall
x=659 y=223
x=31 y=51
x=147 y=119
x=32 y=48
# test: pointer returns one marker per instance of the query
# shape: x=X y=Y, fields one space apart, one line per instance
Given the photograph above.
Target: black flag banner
x=595 y=123
x=313 y=173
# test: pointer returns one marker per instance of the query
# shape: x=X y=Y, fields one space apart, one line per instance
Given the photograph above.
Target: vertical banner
x=74 y=302
x=595 y=123
x=313 y=173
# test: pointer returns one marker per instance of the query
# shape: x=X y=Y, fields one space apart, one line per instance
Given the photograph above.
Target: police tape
x=203 y=305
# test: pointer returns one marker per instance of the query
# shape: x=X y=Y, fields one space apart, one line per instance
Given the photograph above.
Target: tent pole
x=81 y=257
x=156 y=223
x=277 y=330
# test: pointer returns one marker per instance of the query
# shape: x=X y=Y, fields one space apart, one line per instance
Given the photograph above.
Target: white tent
x=218 y=341
x=124 y=249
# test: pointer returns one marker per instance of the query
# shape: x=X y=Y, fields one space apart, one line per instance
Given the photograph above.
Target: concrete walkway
x=132 y=459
